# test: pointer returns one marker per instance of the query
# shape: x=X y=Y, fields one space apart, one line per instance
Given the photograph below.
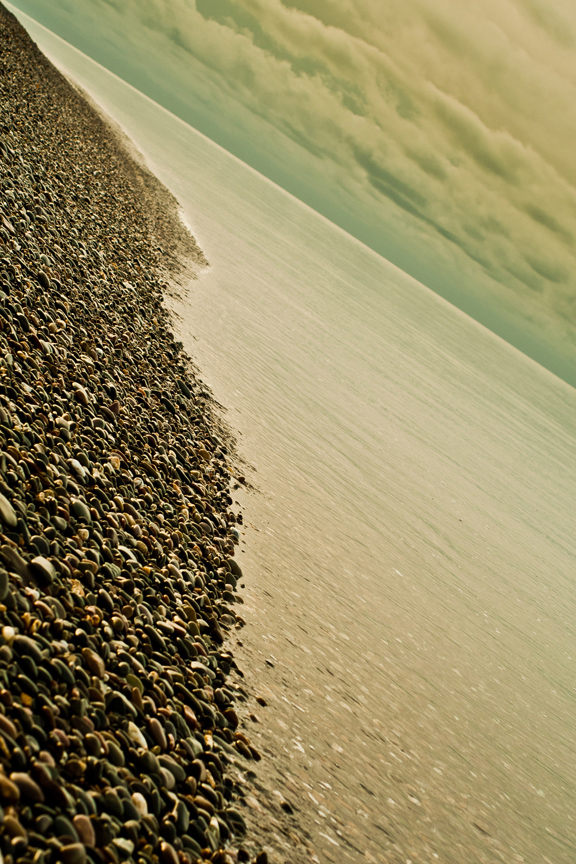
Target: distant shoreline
x=119 y=732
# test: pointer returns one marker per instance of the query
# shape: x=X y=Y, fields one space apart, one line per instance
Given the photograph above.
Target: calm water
x=410 y=549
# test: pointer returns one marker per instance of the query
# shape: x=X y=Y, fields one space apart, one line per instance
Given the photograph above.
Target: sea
x=409 y=511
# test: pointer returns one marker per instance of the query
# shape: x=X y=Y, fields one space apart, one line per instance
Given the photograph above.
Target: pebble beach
x=120 y=728
x=395 y=487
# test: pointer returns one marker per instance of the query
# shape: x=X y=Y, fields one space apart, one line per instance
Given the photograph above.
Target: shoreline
x=120 y=737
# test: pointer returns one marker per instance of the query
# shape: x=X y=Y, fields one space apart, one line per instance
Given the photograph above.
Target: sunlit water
x=410 y=552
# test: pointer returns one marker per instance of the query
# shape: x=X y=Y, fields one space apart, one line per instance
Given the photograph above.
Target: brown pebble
x=9 y=791
x=232 y=717
x=168 y=854
x=190 y=717
x=93 y=745
x=73 y=853
x=137 y=698
x=13 y=827
x=204 y=804
x=157 y=733
x=94 y=662
x=47 y=758
x=95 y=695
x=6 y=725
x=84 y=829
x=81 y=395
x=6 y=698
x=243 y=749
x=76 y=767
x=29 y=790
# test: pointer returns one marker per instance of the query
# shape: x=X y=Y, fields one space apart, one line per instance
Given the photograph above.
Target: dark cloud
x=550 y=270
x=382 y=178
x=526 y=277
x=429 y=163
x=491 y=150
x=543 y=218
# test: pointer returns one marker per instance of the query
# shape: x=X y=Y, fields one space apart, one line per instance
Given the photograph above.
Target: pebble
x=15 y=562
x=27 y=647
x=84 y=829
x=13 y=827
x=125 y=846
x=136 y=735
x=158 y=733
x=94 y=662
x=117 y=536
x=4 y=584
x=29 y=789
x=7 y=512
x=73 y=853
x=9 y=791
x=140 y=803
x=43 y=568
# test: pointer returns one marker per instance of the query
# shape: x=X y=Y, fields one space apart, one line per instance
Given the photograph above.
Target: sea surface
x=409 y=552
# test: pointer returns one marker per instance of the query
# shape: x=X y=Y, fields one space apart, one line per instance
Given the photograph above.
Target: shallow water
x=410 y=551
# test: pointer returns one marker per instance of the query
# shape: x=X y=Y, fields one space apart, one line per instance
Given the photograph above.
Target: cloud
x=459 y=117
x=417 y=107
x=543 y=218
x=493 y=151
x=556 y=25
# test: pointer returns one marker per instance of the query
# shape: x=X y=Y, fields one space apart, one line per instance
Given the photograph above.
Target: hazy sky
x=441 y=132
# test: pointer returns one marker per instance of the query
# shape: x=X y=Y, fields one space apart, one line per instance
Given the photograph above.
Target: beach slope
x=119 y=736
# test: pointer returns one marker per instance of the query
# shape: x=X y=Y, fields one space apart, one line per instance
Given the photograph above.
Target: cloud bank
x=456 y=119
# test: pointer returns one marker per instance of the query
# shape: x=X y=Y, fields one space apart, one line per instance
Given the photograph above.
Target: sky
x=439 y=132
